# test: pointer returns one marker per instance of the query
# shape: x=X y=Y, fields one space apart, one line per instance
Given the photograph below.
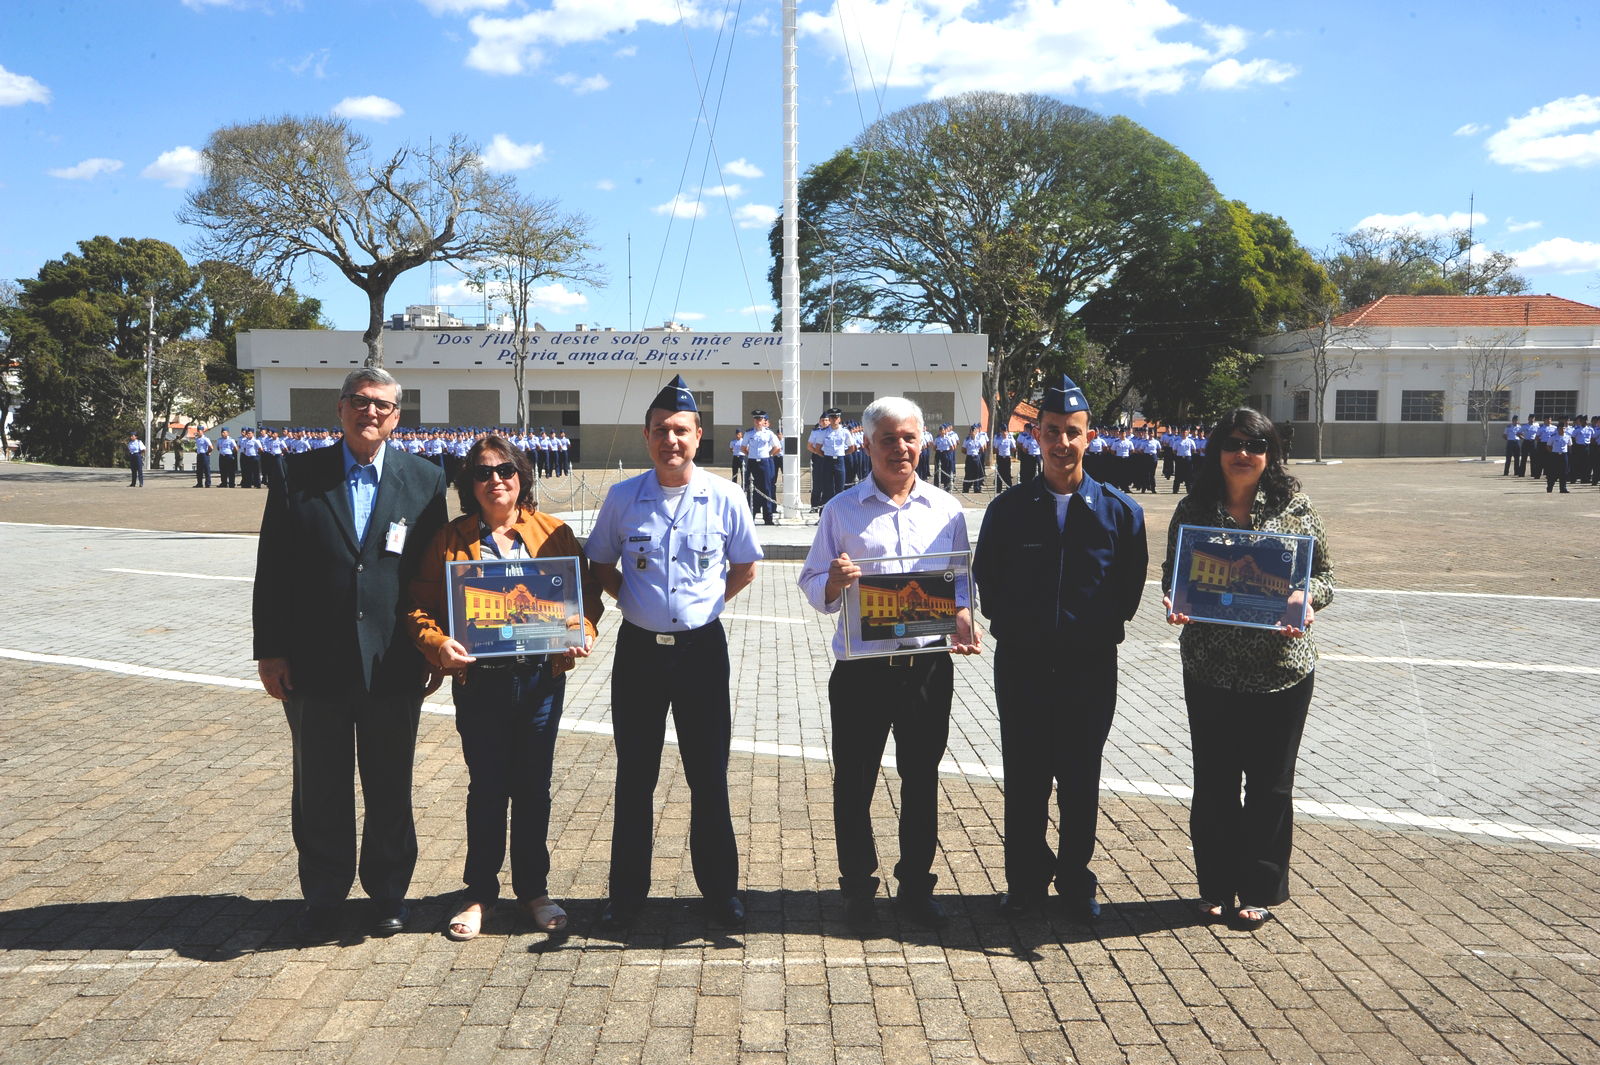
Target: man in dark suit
x=340 y=540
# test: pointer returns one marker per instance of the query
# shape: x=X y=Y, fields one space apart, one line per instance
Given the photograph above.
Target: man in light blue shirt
x=686 y=545
x=361 y=486
x=202 y=460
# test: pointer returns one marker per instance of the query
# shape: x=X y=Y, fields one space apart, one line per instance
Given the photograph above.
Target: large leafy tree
x=992 y=213
x=307 y=191
x=78 y=335
x=1365 y=264
x=1179 y=316
x=237 y=300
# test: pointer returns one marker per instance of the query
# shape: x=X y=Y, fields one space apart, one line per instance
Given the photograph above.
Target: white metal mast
x=149 y=371
x=790 y=426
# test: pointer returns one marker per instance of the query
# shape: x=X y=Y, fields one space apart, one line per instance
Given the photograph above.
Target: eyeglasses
x=382 y=406
x=505 y=471
x=1255 y=445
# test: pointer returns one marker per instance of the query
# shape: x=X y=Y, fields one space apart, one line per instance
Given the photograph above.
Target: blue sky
x=1329 y=114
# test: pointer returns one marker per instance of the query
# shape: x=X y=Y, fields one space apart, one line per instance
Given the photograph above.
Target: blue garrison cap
x=1064 y=397
x=674 y=397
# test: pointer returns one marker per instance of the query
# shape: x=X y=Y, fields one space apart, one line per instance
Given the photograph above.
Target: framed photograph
x=522 y=606
x=1241 y=576
x=905 y=604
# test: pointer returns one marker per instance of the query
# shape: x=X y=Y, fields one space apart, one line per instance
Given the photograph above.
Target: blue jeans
x=508 y=719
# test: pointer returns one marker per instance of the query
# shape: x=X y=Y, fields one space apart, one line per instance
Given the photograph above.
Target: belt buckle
x=666 y=639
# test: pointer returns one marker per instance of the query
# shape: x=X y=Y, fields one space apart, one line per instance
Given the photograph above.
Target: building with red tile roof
x=1409 y=388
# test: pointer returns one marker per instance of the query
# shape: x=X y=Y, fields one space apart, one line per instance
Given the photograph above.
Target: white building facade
x=1411 y=389
x=596 y=384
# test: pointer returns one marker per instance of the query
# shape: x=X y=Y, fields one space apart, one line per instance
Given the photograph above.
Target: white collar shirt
x=865 y=523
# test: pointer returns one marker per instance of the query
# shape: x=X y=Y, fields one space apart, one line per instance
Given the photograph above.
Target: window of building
x=553 y=399
x=1262 y=403
x=1499 y=405
x=1302 y=406
x=1418 y=405
x=1555 y=404
x=1355 y=405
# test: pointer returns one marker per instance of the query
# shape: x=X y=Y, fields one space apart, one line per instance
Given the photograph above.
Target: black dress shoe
x=389 y=916
x=1086 y=910
x=862 y=916
x=1015 y=905
x=922 y=909
x=317 y=925
x=728 y=913
x=616 y=917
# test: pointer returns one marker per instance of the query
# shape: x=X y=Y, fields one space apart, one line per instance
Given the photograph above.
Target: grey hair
x=369 y=375
x=893 y=409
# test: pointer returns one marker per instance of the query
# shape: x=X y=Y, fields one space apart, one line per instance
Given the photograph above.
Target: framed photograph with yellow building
x=1242 y=577
x=523 y=606
x=906 y=604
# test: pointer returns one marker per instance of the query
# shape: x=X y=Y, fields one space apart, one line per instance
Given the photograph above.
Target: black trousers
x=135 y=471
x=1513 y=458
x=1002 y=471
x=761 y=474
x=228 y=466
x=736 y=470
x=972 y=479
x=1527 y=456
x=1055 y=715
x=1030 y=467
x=1242 y=849
x=1555 y=469
x=1182 y=472
x=689 y=676
x=1578 y=463
x=869 y=698
x=202 y=470
x=332 y=739
x=250 y=470
x=507 y=718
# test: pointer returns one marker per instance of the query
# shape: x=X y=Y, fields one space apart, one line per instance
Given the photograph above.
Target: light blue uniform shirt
x=674 y=564
x=835 y=443
x=202 y=444
x=361 y=483
x=759 y=443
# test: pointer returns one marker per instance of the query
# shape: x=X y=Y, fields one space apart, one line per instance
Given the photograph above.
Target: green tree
x=237 y=300
x=992 y=213
x=1365 y=264
x=306 y=191
x=78 y=335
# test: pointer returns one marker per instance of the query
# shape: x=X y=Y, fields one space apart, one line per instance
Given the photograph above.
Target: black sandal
x=1209 y=912
x=1251 y=923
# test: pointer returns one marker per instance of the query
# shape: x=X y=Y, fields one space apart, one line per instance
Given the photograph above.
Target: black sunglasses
x=1255 y=445
x=384 y=407
x=505 y=471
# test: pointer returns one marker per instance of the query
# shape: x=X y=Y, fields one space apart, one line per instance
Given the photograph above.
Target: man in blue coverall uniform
x=1055 y=670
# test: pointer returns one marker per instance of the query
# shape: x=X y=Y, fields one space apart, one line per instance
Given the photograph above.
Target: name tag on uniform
x=395 y=542
x=666 y=639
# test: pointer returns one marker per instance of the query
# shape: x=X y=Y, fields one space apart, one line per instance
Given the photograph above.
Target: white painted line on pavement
x=1466 y=663
x=192 y=576
x=120 y=528
x=758 y=617
x=1333 y=810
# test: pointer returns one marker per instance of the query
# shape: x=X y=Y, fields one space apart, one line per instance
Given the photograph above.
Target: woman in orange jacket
x=507 y=708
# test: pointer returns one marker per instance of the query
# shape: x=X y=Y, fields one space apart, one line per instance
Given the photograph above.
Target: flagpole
x=790 y=425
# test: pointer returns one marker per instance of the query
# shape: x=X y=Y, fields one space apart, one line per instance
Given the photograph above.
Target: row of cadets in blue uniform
x=761 y=449
x=685 y=544
x=976 y=443
x=944 y=453
x=1055 y=669
x=736 y=458
x=831 y=447
x=1560 y=451
x=923 y=456
x=1028 y=448
x=892 y=512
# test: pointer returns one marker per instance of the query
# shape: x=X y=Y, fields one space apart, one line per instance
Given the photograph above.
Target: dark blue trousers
x=1055 y=715
x=689 y=677
x=507 y=719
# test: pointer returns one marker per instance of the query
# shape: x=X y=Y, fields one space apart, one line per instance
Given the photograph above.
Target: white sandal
x=547 y=915
x=471 y=920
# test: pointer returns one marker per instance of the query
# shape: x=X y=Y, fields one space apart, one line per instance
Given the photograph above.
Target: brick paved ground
x=147 y=884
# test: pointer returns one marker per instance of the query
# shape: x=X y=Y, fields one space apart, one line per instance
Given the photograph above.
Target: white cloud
x=1049 y=46
x=605 y=184
x=315 y=62
x=1232 y=74
x=759 y=308
x=370 y=108
x=1513 y=226
x=1425 y=224
x=557 y=298
x=174 y=168
x=681 y=206
x=732 y=192
x=740 y=168
x=624 y=53
x=461 y=7
x=513 y=45
x=1469 y=129
x=87 y=169
x=1539 y=141
x=687 y=316
x=1560 y=256
x=504 y=153
x=18 y=89
x=755 y=215
x=593 y=83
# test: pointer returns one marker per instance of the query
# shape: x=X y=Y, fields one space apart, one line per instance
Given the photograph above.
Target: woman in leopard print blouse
x=1247 y=690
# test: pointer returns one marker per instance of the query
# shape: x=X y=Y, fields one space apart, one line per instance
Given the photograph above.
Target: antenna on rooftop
x=1472 y=201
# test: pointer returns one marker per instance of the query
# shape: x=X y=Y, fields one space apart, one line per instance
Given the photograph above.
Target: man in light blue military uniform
x=686 y=545
x=135 y=461
x=833 y=443
x=227 y=459
x=761 y=450
x=202 y=460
